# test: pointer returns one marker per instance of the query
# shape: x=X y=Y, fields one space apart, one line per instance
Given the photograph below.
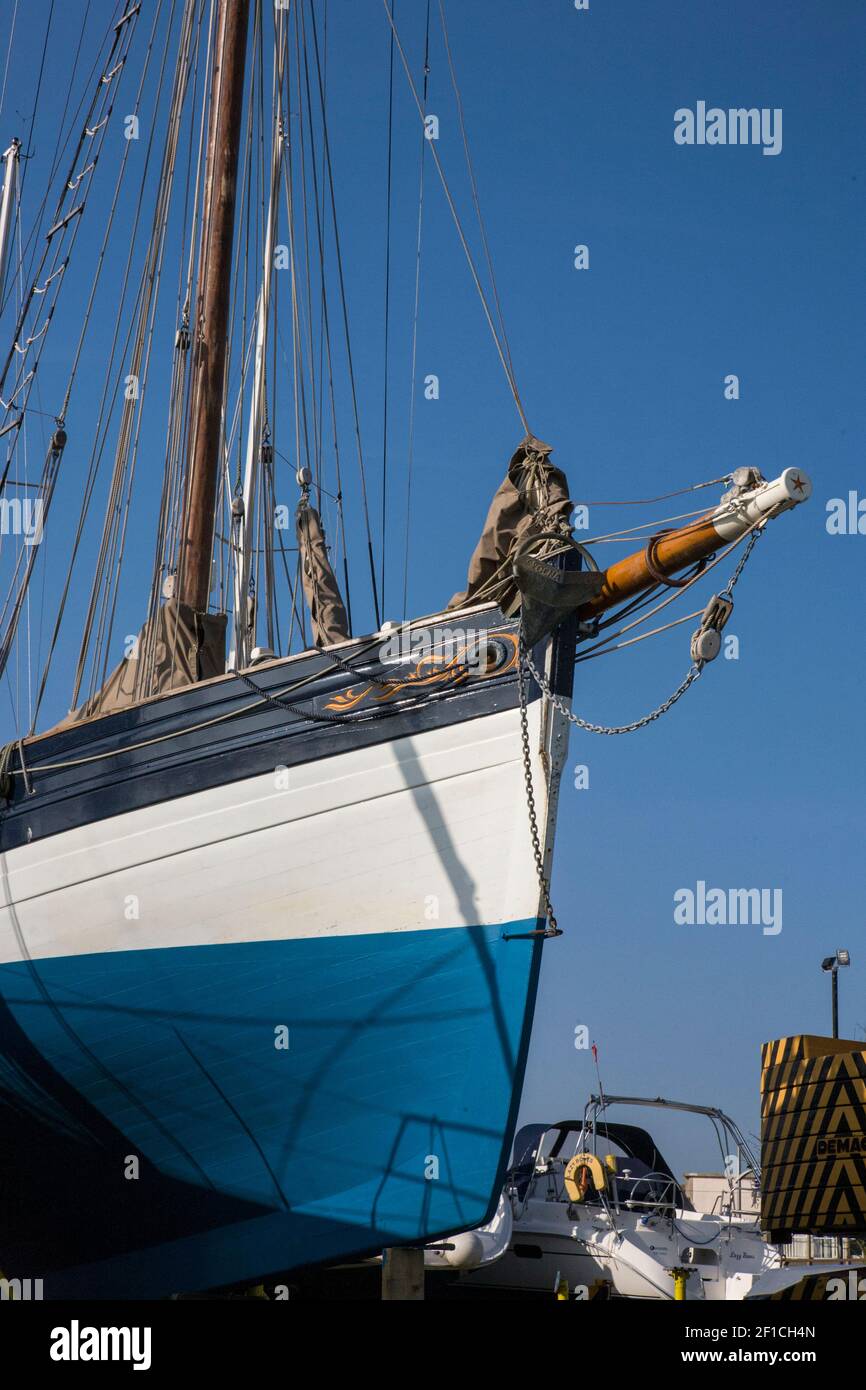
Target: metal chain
x=728 y=589
x=524 y=663
x=563 y=709
x=552 y=929
x=689 y=680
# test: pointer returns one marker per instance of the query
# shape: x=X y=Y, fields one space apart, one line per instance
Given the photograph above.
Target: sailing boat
x=272 y=912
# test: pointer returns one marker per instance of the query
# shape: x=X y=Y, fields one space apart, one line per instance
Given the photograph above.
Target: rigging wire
x=321 y=324
x=29 y=153
x=459 y=226
x=265 y=506
x=628 y=533
x=95 y=124
x=107 y=90
x=410 y=452
x=325 y=315
x=8 y=56
x=387 y=305
x=310 y=412
x=654 y=632
x=269 y=698
x=32 y=243
x=167 y=541
x=313 y=453
x=153 y=274
x=345 y=310
x=113 y=375
x=106 y=588
x=107 y=581
x=474 y=186
x=748 y=535
x=663 y=497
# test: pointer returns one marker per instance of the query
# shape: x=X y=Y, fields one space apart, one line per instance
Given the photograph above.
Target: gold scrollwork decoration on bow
x=431 y=670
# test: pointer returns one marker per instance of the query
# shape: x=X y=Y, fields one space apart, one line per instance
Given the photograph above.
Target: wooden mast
x=211 y=325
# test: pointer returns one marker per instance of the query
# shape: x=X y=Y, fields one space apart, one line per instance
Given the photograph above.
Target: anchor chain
x=716 y=614
x=552 y=929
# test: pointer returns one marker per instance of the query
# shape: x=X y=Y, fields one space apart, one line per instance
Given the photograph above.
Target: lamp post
x=832 y=964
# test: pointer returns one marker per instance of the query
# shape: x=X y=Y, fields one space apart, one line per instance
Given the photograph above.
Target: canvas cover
x=179 y=647
x=321 y=590
x=532 y=498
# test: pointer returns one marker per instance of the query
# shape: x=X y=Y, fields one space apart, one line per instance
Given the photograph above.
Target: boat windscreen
x=526 y=1145
x=526 y=1142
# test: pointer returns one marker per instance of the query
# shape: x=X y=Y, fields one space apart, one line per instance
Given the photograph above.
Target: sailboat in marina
x=273 y=899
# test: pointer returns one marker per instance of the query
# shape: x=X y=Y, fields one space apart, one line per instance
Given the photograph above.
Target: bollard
x=402 y=1274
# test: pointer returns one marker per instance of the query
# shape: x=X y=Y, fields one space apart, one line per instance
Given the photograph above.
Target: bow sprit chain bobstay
x=559 y=704
x=705 y=646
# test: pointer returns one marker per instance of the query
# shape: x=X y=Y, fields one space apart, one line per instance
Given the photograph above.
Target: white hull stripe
x=425 y=832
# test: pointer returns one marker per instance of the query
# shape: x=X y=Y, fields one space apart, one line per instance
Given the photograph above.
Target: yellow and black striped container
x=813 y=1137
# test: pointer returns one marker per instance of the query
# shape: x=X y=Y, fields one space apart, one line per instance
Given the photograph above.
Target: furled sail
x=178 y=647
x=321 y=590
x=181 y=647
x=533 y=498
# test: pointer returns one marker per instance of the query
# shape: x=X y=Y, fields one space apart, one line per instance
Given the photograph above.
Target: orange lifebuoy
x=583 y=1176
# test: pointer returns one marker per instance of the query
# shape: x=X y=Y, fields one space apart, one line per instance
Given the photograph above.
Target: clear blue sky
x=703 y=262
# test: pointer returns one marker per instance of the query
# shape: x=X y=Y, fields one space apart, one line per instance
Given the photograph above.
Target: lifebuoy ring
x=583 y=1176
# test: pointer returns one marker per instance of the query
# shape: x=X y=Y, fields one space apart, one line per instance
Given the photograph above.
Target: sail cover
x=178 y=647
x=532 y=498
x=181 y=647
x=327 y=612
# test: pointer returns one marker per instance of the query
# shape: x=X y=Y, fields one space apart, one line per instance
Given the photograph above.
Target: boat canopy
x=634 y=1142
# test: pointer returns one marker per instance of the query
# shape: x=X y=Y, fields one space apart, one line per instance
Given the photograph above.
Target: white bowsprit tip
x=797 y=484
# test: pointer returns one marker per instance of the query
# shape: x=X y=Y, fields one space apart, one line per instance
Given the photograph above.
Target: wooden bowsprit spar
x=549 y=594
x=749 y=505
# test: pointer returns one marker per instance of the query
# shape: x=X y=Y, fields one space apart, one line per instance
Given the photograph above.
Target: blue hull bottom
x=179 y=1119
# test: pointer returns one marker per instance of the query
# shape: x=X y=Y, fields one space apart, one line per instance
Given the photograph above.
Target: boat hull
x=280 y=1019
x=171 y=1111
x=721 y=1256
